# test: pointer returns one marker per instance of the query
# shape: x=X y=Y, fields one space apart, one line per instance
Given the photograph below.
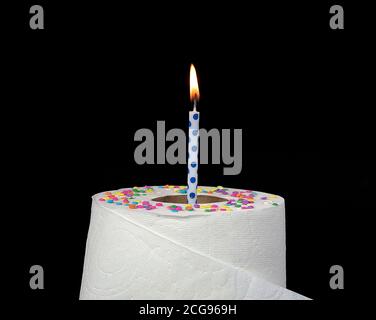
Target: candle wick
x=194 y=105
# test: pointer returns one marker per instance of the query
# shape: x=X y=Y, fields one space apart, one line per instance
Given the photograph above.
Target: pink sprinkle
x=139 y=206
x=159 y=204
x=145 y=203
x=101 y=199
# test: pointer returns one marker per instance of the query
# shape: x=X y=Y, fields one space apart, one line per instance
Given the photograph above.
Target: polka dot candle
x=193 y=144
x=193 y=148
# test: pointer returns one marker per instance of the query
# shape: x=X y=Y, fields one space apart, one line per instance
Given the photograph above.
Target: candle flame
x=195 y=93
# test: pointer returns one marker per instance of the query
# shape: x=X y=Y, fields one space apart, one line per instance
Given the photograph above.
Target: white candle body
x=193 y=149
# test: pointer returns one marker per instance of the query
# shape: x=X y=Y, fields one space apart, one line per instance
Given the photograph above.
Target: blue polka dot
x=195 y=116
x=195 y=132
x=194 y=148
x=193 y=180
x=192 y=195
x=189 y=124
x=193 y=164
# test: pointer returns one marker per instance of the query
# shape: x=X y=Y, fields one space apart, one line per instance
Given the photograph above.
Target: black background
x=99 y=71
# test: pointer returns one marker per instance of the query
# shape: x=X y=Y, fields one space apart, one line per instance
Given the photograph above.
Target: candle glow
x=193 y=84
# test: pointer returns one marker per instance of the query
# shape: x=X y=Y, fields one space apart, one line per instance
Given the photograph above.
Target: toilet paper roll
x=152 y=254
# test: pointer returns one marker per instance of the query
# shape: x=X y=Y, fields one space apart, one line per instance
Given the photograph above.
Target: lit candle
x=193 y=144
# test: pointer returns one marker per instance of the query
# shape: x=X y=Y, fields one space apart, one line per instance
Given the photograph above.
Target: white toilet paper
x=151 y=254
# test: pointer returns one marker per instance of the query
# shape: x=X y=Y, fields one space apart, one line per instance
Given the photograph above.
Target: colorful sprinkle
x=235 y=199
